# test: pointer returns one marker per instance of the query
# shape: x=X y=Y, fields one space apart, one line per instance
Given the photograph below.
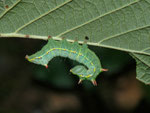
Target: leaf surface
x=118 y=24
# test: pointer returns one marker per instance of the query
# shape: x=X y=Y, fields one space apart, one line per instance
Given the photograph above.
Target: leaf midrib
x=10 y=35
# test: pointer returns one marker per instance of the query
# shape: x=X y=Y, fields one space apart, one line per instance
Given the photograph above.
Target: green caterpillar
x=74 y=51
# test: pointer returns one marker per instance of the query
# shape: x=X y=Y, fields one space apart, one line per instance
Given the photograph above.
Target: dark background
x=29 y=88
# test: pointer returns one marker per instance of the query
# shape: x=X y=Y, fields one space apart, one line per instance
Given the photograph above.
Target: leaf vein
x=94 y=19
x=20 y=28
x=9 y=9
x=144 y=62
x=114 y=36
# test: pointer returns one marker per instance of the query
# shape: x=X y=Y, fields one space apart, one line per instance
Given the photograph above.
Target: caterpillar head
x=79 y=70
x=83 y=74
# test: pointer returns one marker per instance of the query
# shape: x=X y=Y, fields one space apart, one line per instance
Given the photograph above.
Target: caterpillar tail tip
x=104 y=69
x=94 y=82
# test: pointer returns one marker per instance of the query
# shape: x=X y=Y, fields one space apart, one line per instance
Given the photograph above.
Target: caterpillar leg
x=80 y=81
x=94 y=82
x=46 y=66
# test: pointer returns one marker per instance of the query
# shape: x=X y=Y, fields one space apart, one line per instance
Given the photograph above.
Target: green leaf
x=118 y=24
x=142 y=67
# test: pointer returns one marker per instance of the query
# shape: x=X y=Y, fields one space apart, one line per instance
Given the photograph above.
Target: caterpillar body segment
x=79 y=70
x=91 y=64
